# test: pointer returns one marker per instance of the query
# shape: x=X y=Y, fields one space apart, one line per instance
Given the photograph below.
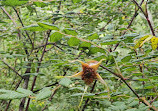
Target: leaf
x=154 y=42
x=9 y=95
x=77 y=94
x=153 y=77
x=14 y=2
x=85 y=45
x=85 y=95
x=44 y=93
x=151 y=94
x=73 y=41
x=78 y=88
x=76 y=1
x=93 y=36
x=18 y=55
x=100 y=57
x=128 y=38
x=126 y=59
x=34 y=28
x=56 y=36
x=142 y=79
x=137 y=74
x=94 y=50
x=109 y=42
x=65 y=81
x=148 y=87
x=40 y=4
x=33 y=74
x=134 y=103
x=142 y=40
x=4 y=90
x=70 y=32
x=25 y=91
x=48 y=26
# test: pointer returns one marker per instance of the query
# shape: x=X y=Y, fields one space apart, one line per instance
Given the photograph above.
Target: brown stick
x=129 y=25
x=141 y=99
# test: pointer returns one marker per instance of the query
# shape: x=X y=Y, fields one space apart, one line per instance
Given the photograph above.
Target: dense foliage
x=40 y=38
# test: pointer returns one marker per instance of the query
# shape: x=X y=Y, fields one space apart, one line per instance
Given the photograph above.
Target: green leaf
x=134 y=103
x=25 y=91
x=70 y=32
x=44 y=93
x=73 y=41
x=93 y=36
x=34 y=28
x=76 y=1
x=94 y=50
x=56 y=36
x=129 y=69
x=133 y=109
x=137 y=74
x=85 y=95
x=4 y=90
x=85 y=45
x=65 y=81
x=48 y=26
x=9 y=95
x=109 y=42
x=40 y=4
x=100 y=57
x=18 y=55
x=14 y=2
x=33 y=74
x=77 y=88
x=126 y=59
x=151 y=94
x=148 y=87
x=142 y=79
x=153 y=77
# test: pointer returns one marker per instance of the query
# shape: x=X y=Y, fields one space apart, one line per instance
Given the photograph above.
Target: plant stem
x=146 y=16
x=129 y=25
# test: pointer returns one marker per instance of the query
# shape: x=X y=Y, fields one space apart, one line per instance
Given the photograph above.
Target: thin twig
x=17 y=85
x=153 y=99
x=129 y=25
x=34 y=80
x=9 y=16
x=54 y=91
x=23 y=26
x=142 y=99
x=86 y=102
x=146 y=16
x=12 y=69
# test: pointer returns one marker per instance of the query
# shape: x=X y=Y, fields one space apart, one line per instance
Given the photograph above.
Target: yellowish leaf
x=154 y=42
x=142 y=40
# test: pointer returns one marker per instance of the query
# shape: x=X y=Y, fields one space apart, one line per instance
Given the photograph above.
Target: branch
x=9 y=16
x=86 y=102
x=129 y=25
x=146 y=16
x=50 y=43
x=34 y=80
x=12 y=68
x=11 y=20
x=17 y=85
x=143 y=100
x=153 y=100
x=55 y=90
x=107 y=24
x=23 y=26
